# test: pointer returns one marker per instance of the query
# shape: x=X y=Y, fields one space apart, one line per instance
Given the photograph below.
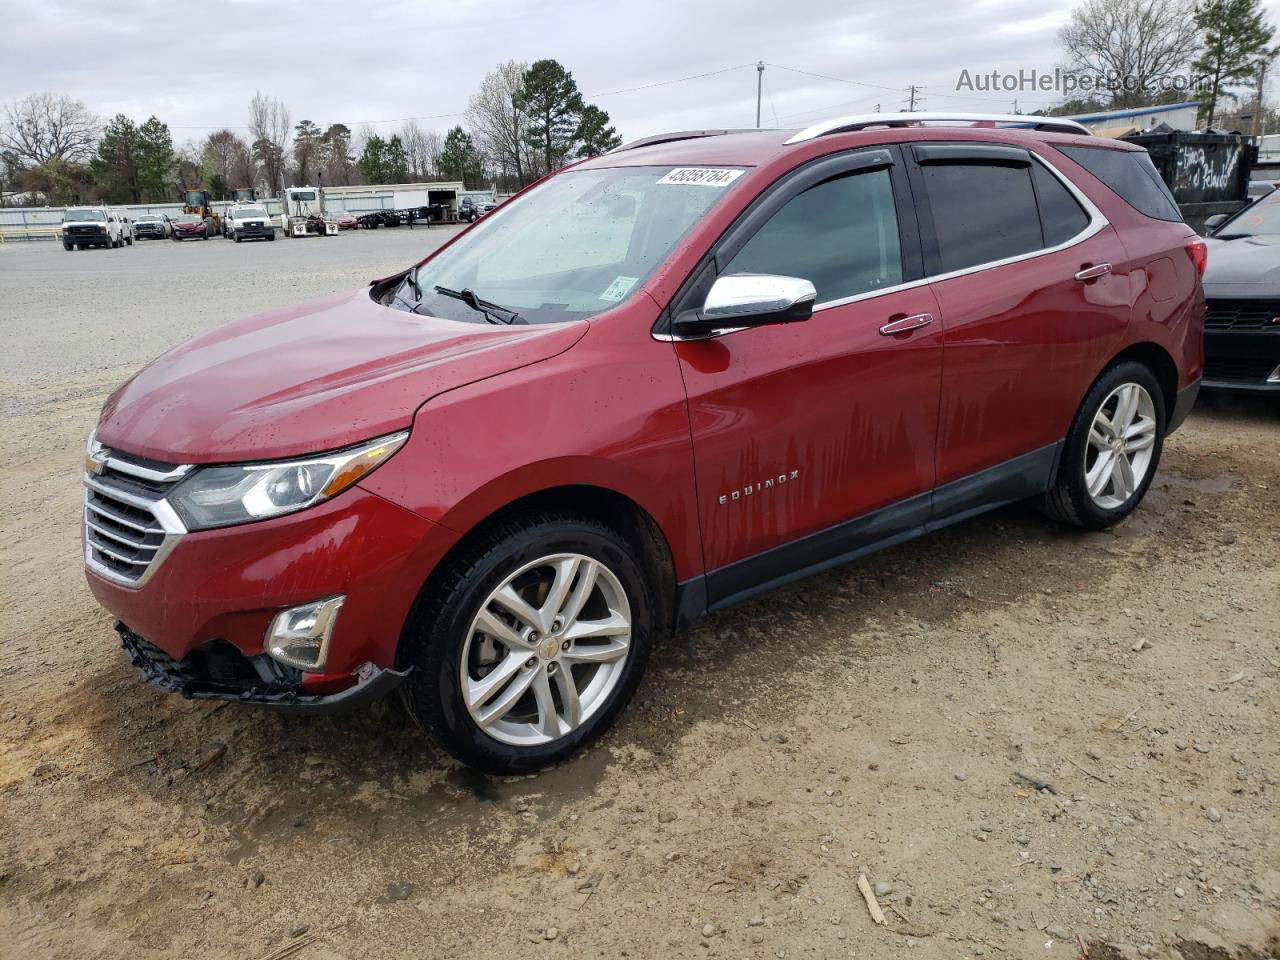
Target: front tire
x=1112 y=450
x=530 y=643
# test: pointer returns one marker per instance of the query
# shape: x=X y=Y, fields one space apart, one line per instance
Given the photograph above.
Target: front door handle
x=903 y=324
x=1093 y=273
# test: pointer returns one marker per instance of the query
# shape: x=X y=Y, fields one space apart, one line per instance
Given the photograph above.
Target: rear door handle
x=1093 y=273
x=903 y=324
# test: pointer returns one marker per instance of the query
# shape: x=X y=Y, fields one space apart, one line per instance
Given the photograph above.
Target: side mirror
x=1214 y=222
x=749 y=300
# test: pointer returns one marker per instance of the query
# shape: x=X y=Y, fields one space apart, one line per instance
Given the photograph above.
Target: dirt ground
x=970 y=720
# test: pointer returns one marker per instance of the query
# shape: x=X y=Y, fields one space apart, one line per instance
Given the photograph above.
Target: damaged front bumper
x=221 y=672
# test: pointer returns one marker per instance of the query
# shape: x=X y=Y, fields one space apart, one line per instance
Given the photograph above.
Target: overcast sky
x=196 y=66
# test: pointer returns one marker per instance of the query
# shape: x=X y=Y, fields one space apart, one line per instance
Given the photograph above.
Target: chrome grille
x=128 y=525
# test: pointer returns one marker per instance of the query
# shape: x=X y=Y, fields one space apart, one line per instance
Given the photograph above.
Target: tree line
x=524 y=121
x=1216 y=45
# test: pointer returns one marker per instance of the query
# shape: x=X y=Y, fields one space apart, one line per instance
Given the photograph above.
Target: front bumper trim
x=169 y=676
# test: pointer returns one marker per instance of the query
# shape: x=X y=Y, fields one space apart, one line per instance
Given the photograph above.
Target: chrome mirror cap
x=744 y=295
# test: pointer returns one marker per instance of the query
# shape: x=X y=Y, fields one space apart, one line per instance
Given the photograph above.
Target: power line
x=880 y=86
x=663 y=83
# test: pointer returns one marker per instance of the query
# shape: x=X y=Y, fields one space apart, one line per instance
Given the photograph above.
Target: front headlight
x=222 y=496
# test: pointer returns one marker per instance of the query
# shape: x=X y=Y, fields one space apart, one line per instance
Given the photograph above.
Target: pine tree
x=594 y=134
x=553 y=104
x=1234 y=38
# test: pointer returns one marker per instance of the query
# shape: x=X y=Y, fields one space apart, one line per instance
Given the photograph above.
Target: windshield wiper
x=492 y=311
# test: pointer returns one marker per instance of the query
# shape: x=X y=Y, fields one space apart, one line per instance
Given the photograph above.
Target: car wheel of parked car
x=1112 y=451
x=236 y=237
x=67 y=246
x=530 y=643
x=129 y=241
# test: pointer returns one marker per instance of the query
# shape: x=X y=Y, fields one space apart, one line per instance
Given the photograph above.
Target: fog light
x=299 y=636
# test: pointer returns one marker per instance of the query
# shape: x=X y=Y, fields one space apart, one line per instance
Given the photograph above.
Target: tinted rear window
x=982 y=212
x=1060 y=212
x=1132 y=176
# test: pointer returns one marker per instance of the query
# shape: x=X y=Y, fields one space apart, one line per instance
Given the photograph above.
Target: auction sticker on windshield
x=702 y=176
x=619 y=288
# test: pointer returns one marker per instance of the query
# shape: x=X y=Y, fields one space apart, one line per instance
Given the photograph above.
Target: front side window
x=576 y=246
x=841 y=235
x=982 y=212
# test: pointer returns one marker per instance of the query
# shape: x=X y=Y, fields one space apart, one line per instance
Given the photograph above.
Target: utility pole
x=759 y=89
x=911 y=103
x=1257 y=113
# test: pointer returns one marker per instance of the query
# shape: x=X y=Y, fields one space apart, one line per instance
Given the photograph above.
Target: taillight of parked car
x=1199 y=254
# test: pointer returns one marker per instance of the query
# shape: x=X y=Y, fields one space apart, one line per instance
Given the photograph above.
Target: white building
x=1116 y=123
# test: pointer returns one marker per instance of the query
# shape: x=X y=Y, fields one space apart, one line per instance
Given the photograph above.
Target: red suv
x=654 y=384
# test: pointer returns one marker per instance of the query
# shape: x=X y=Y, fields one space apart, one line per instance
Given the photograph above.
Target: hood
x=309 y=378
x=1247 y=266
x=189 y=226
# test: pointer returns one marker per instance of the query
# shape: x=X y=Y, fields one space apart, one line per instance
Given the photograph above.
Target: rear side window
x=1132 y=176
x=841 y=236
x=982 y=212
x=1060 y=213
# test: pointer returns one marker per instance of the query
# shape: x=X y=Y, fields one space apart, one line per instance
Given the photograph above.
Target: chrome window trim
x=1097 y=223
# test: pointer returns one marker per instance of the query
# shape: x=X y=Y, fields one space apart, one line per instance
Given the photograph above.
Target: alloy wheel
x=546 y=649
x=1121 y=441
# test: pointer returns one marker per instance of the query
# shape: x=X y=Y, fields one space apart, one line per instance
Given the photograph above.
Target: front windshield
x=302 y=195
x=244 y=212
x=83 y=215
x=1262 y=219
x=147 y=220
x=189 y=218
x=575 y=246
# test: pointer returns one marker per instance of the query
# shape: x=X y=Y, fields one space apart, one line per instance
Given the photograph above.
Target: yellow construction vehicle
x=200 y=202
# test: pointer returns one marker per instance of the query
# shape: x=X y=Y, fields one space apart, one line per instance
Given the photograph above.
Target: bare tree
x=499 y=124
x=269 y=127
x=1140 y=42
x=433 y=146
x=414 y=139
x=226 y=155
x=44 y=128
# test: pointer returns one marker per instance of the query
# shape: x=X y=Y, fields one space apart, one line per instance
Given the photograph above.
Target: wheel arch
x=1160 y=362
x=604 y=504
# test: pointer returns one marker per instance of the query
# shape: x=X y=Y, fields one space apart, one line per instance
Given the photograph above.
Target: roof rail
x=679 y=135
x=863 y=121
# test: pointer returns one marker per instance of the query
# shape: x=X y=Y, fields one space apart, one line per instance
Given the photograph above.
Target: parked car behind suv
x=1242 y=329
x=84 y=227
x=248 y=221
x=152 y=227
x=492 y=479
x=189 y=226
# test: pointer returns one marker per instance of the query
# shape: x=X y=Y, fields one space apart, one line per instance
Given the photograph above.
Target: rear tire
x=562 y=684
x=1112 y=450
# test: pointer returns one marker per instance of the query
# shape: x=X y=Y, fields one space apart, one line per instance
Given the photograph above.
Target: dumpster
x=1208 y=173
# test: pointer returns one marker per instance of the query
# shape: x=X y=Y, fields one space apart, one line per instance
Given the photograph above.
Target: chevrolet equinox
x=653 y=384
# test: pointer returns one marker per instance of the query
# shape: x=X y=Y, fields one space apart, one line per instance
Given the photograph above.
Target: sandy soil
x=964 y=719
